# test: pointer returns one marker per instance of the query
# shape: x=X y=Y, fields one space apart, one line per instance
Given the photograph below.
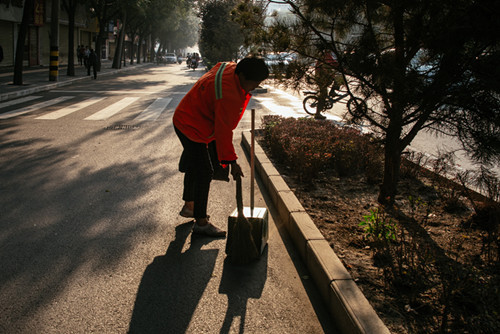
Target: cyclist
x=324 y=76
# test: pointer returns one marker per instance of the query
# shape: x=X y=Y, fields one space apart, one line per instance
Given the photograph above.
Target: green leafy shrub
x=379 y=229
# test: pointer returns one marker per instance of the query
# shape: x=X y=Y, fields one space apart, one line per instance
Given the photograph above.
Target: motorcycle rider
x=194 y=60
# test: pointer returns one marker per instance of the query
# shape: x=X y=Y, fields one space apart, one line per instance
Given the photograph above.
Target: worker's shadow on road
x=172 y=285
x=241 y=283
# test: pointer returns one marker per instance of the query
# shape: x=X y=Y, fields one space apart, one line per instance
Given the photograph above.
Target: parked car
x=170 y=58
x=276 y=62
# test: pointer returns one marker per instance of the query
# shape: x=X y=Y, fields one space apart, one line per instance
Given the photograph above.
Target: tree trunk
x=71 y=8
x=21 y=39
x=98 y=48
x=393 y=142
x=139 y=49
x=146 y=48
x=132 y=51
x=124 y=54
x=152 y=53
x=119 y=48
x=388 y=188
x=117 y=57
x=98 y=42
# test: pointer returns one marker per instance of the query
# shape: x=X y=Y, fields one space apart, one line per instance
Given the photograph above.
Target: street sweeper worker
x=209 y=112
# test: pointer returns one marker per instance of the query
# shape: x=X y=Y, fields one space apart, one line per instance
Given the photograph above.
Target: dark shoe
x=186 y=213
x=319 y=116
x=209 y=229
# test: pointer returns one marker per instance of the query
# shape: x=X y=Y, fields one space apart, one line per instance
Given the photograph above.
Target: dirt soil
x=444 y=282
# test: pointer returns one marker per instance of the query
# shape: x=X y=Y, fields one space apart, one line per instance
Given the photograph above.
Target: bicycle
x=355 y=105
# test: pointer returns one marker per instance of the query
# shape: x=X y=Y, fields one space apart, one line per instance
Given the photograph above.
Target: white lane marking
x=72 y=108
x=21 y=100
x=22 y=111
x=112 y=109
x=287 y=96
x=154 y=110
x=286 y=111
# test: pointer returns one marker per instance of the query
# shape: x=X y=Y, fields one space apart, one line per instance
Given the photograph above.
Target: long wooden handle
x=252 y=165
x=239 y=196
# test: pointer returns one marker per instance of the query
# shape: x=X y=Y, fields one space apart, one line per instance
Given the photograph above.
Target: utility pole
x=54 y=41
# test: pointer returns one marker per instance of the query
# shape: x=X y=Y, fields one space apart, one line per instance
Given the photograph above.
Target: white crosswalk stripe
x=112 y=109
x=112 y=92
x=154 y=110
x=150 y=114
x=17 y=101
x=71 y=109
x=22 y=111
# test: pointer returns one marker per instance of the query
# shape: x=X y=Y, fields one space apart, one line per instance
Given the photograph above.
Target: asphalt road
x=90 y=237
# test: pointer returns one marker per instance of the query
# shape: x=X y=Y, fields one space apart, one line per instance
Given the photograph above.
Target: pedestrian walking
x=79 y=54
x=92 y=62
x=82 y=50
x=86 y=54
x=209 y=113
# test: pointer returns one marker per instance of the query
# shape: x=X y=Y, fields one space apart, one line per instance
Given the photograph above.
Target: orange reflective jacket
x=212 y=109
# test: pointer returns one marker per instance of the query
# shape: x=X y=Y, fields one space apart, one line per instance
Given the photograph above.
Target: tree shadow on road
x=173 y=285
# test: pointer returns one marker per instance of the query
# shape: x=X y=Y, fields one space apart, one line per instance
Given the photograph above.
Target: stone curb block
x=322 y=263
x=350 y=309
x=346 y=298
x=277 y=186
x=302 y=230
x=287 y=204
x=320 y=254
x=266 y=169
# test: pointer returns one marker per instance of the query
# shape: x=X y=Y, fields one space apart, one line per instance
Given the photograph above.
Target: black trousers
x=198 y=171
x=94 y=67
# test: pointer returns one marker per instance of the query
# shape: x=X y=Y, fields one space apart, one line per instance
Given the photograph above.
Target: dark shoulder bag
x=220 y=173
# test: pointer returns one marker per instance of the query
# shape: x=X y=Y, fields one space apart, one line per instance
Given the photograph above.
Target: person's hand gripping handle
x=236 y=171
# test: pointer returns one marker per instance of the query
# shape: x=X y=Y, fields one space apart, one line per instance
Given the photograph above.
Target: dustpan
x=257 y=216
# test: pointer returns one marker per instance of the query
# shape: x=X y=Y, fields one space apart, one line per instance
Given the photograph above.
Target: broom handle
x=239 y=196
x=252 y=165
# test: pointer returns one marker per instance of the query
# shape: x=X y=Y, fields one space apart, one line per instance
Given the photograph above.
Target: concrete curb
x=49 y=86
x=350 y=309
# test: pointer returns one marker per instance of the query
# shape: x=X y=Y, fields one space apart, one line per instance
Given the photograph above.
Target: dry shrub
x=309 y=146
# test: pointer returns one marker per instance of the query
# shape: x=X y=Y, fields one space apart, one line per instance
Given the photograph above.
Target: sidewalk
x=36 y=79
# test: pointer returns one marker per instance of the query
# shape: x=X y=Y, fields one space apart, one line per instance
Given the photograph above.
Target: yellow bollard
x=54 y=63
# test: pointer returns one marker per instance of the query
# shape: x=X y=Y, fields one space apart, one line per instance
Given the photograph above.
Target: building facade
x=37 y=43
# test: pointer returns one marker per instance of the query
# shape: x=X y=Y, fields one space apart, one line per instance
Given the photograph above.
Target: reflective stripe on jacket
x=212 y=109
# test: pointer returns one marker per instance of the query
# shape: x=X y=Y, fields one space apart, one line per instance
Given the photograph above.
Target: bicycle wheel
x=357 y=108
x=310 y=103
